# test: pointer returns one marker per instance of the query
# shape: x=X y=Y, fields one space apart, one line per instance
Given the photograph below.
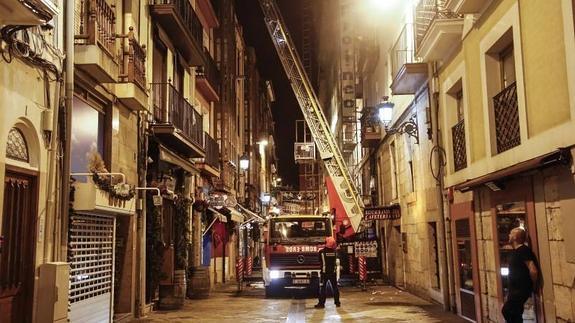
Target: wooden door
x=18 y=247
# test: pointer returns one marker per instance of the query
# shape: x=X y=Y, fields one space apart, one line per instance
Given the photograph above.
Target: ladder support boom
x=339 y=178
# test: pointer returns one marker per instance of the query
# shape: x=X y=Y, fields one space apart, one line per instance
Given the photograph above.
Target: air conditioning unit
x=27 y=12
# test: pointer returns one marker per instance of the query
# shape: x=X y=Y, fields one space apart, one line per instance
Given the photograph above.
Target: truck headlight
x=274 y=274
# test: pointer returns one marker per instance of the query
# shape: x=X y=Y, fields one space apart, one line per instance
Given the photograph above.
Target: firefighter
x=328 y=258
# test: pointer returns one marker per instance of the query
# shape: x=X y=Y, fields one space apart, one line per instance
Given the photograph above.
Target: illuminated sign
x=382 y=213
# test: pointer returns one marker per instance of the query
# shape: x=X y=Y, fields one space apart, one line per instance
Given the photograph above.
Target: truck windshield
x=304 y=229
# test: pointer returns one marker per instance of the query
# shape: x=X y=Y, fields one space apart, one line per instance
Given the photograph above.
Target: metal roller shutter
x=91 y=247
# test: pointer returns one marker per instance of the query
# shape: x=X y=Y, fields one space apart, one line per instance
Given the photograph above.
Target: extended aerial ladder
x=343 y=195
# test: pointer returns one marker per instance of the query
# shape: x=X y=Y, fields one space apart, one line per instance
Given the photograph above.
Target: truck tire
x=271 y=292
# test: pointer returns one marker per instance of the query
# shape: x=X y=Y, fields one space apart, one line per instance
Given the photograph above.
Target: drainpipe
x=447 y=275
x=141 y=212
x=66 y=118
x=52 y=187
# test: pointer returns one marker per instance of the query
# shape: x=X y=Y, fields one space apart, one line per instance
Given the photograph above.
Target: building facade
x=31 y=100
x=505 y=121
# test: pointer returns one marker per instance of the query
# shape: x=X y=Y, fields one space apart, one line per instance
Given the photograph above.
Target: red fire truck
x=292 y=250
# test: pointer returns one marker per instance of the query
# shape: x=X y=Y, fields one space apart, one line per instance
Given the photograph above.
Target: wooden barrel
x=180 y=284
x=172 y=296
x=199 y=283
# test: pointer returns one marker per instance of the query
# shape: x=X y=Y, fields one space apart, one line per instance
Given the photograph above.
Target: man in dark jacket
x=328 y=258
x=523 y=276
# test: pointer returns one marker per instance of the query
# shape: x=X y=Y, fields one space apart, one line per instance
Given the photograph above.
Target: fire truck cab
x=292 y=246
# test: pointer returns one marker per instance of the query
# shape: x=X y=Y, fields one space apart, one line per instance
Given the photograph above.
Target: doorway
x=18 y=247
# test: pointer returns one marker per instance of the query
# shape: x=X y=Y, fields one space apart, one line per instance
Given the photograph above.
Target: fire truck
x=292 y=250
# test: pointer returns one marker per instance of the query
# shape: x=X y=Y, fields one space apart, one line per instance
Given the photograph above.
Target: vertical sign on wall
x=347 y=61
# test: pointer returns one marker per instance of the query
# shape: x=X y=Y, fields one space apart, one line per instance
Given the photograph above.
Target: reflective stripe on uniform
x=323 y=262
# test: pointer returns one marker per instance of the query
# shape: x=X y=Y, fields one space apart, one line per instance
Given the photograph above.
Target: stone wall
x=559 y=187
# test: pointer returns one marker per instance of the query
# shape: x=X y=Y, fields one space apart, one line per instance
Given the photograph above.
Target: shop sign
x=382 y=213
x=216 y=200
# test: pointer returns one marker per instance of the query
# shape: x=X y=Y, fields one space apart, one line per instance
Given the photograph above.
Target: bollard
x=351 y=264
x=249 y=266
x=362 y=271
x=239 y=272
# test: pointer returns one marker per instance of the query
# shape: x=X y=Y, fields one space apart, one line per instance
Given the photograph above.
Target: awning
x=561 y=156
x=392 y=212
x=252 y=215
x=172 y=158
x=219 y=215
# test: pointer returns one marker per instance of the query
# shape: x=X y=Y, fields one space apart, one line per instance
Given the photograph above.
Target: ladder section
x=339 y=179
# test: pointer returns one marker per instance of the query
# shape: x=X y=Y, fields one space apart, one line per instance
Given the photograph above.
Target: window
x=88 y=134
x=502 y=92
x=507 y=66
x=459 y=102
x=434 y=254
x=16 y=147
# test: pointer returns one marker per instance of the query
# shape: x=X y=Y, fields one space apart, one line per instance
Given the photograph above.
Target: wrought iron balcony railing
x=134 y=61
x=506 y=112
x=170 y=107
x=459 y=148
x=212 y=151
x=186 y=14
x=426 y=12
x=95 y=23
x=210 y=70
x=403 y=51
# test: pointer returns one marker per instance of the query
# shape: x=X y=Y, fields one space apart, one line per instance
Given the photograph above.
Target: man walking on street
x=523 y=276
x=328 y=258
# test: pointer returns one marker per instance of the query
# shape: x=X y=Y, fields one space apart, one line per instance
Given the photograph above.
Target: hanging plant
x=120 y=191
x=154 y=245
x=182 y=231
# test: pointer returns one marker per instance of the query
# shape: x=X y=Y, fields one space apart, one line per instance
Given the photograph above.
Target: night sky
x=286 y=109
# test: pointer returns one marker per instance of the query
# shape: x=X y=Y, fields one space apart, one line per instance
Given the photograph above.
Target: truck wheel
x=270 y=292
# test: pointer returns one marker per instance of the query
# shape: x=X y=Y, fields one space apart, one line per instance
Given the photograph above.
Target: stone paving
x=377 y=304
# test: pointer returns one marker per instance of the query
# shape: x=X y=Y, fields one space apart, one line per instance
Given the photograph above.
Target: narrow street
x=377 y=304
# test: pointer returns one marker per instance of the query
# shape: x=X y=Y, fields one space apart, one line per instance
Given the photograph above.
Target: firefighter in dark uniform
x=328 y=258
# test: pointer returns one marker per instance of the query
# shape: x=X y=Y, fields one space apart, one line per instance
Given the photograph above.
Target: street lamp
x=385 y=113
x=244 y=162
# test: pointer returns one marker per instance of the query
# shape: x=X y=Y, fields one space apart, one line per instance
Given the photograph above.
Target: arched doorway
x=18 y=231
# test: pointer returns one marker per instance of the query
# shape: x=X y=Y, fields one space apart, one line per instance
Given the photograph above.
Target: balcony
x=180 y=22
x=438 y=30
x=27 y=12
x=466 y=6
x=371 y=128
x=88 y=197
x=131 y=90
x=176 y=123
x=208 y=13
x=408 y=73
x=95 y=40
x=506 y=113
x=459 y=150
x=208 y=78
x=210 y=165
x=227 y=181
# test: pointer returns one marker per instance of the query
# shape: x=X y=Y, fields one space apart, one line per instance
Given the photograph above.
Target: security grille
x=459 y=153
x=506 y=113
x=91 y=252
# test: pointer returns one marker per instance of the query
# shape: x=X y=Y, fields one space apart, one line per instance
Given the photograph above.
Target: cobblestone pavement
x=377 y=304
